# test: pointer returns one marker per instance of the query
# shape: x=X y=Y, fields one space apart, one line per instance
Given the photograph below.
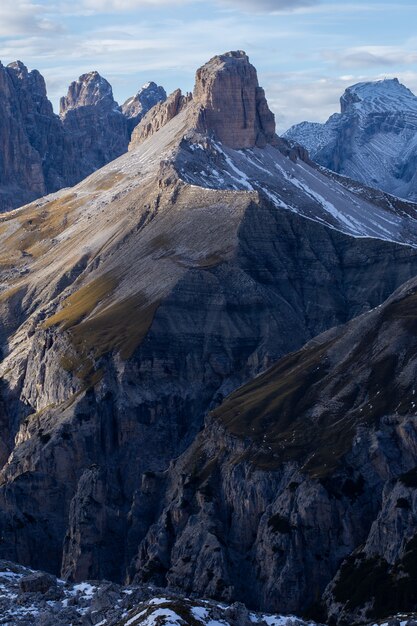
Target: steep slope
x=41 y=152
x=372 y=140
x=304 y=479
x=135 y=302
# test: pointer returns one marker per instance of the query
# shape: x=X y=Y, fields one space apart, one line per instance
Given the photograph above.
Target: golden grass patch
x=81 y=303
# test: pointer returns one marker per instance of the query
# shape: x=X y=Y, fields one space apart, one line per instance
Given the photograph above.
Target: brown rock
x=233 y=106
x=158 y=116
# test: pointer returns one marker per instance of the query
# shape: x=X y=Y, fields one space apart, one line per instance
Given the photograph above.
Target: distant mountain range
x=41 y=152
x=372 y=140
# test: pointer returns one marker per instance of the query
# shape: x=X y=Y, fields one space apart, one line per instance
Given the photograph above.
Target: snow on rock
x=299 y=187
x=107 y=604
x=373 y=139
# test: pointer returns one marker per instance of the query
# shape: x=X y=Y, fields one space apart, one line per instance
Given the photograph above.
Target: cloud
x=300 y=97
x=268 y=6
x=120 y=6
x=257 y=6
x=19 y=17
x=369 y=56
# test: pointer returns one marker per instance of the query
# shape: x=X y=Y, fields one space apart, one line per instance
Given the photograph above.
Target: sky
x=306 y=51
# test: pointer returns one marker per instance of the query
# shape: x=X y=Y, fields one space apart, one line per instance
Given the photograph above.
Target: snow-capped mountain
x=373 y=139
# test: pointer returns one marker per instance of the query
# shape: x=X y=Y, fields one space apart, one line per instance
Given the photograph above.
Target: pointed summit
x=137 y=106
x=90 y=89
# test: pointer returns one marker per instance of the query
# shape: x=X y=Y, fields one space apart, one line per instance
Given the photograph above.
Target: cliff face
x=132 y=306
x=372 y=140
x=233 y=106
x=41 y=152
x=91 y=117
x=34 y=150
x=305 y=479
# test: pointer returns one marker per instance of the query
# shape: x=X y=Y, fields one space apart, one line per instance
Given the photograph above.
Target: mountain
x=35 y=153
x=135 y=303
x=93 y=120
x=307 y=470
x=41 y=152
x=137 y=106
x=372 y=140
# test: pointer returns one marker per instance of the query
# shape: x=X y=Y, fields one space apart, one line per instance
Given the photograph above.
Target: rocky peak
x=160 y=115
x=137 y=106
x=89 y=90
x=232 y=103
x=149 y=95
x=19 y=68
x=32 y=81
x=388 y=95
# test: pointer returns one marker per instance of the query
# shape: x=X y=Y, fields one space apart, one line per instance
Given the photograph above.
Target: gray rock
x=37 y=583
x=371 y=140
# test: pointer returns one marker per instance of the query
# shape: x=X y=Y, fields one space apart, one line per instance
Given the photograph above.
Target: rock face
x=134 y=304
x=227 y=103
x=307 y=473
x=35 y=155
x=137 y=106
x=92 y=119
x=233 y=106
x=158 y=116
x=372 y=140
x=42 y=152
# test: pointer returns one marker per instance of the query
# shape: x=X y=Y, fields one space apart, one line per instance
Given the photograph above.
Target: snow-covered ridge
x=298 y=187
x=372 y=140
x=387 y=95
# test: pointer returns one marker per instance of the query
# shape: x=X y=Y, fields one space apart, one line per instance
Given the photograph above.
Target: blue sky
x=306 y=51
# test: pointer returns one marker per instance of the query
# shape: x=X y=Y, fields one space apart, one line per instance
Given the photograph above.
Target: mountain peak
x=381 y=95
x=232 y=103
x=145 y=99
x=90 y=89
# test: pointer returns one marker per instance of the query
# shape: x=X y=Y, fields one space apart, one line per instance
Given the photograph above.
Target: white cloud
x=368 y=56
x=20 y=17
x=296 y=98
x=268 y=6
x=258 y=6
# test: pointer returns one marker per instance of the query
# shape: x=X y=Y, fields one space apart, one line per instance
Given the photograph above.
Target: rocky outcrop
x=372 y=140
x=92 y=119
x=41 y=152
x=136 y=107
x=35 y=154
x=233 y=106
x=308 y=473
x=159 y=116
x=227 y=103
